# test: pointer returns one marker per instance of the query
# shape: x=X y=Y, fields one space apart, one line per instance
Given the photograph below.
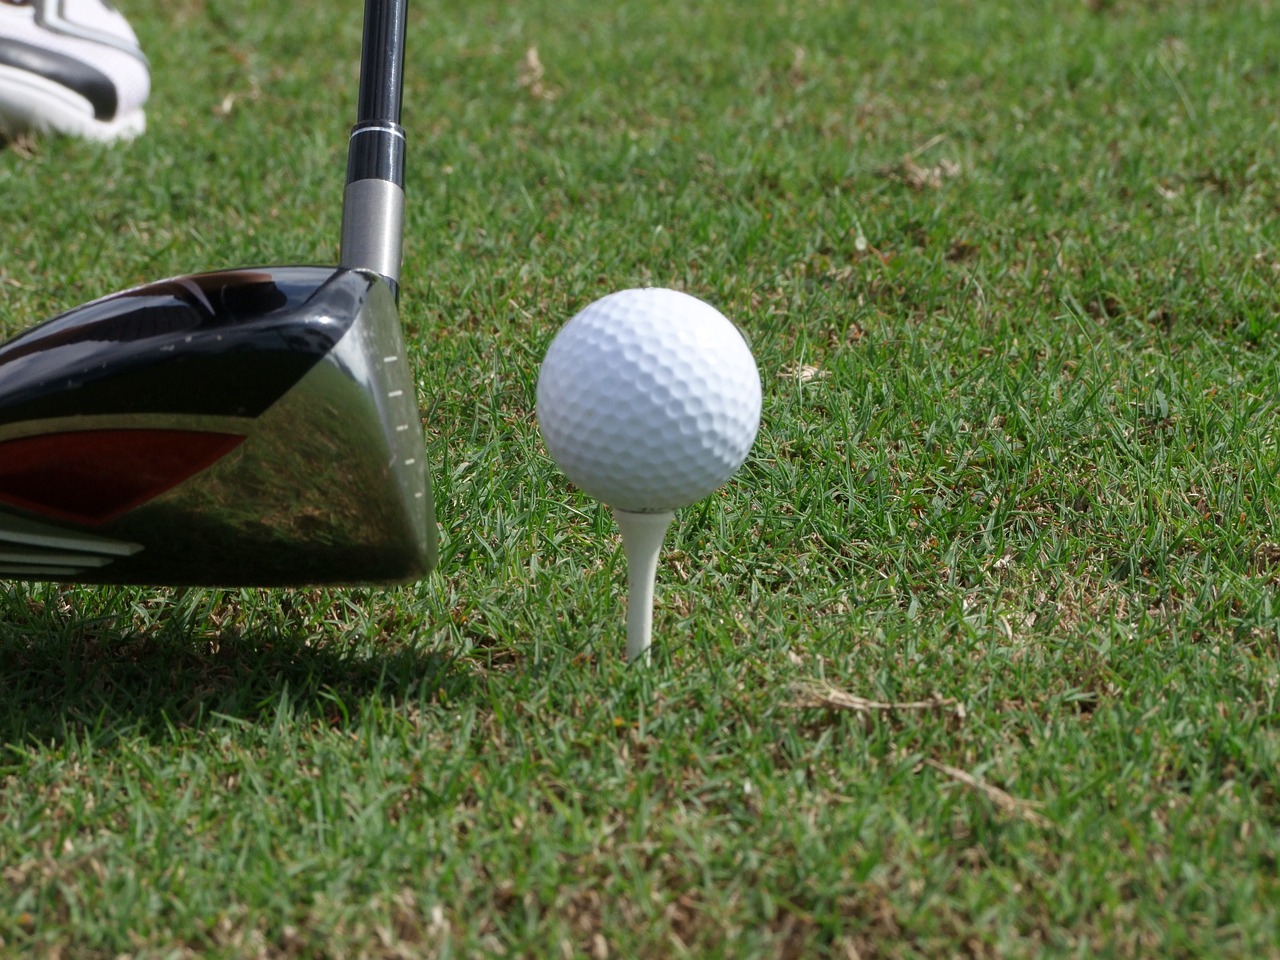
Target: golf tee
x=642 y=536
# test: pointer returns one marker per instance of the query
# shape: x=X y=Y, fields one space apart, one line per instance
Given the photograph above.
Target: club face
x=252 y=427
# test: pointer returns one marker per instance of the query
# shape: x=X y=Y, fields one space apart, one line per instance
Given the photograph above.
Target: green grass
x=1009 y=271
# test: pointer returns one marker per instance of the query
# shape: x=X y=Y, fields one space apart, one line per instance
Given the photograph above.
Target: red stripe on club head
x=92 y=476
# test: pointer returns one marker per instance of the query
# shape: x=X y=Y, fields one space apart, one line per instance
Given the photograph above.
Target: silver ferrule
x=373 y=227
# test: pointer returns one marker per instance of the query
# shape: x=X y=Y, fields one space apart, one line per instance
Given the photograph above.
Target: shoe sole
x=29 y=103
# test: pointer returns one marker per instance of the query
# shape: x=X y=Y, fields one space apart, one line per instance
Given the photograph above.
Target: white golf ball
x=649 y=400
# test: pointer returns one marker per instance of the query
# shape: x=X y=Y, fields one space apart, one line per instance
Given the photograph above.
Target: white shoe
x=71 y=67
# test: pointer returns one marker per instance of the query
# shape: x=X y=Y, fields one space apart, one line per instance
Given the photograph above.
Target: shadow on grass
x=61 y=680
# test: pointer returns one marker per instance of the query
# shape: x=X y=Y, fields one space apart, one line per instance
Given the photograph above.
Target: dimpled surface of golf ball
x=649 y=399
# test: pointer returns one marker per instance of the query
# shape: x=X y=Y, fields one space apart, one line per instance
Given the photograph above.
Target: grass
x=1009 y=271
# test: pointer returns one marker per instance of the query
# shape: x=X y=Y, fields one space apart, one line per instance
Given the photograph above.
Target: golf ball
x=649 y=399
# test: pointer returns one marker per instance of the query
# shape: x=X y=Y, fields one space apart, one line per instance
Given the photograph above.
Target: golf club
x=248 y=427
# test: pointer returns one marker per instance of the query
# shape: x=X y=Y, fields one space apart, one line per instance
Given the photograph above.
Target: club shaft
x=373 y=205
x=382 y=61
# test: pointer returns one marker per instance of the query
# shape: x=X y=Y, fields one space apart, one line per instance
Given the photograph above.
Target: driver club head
x=251 y=427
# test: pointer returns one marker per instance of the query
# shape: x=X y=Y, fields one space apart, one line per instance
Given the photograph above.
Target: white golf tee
x=642 y=536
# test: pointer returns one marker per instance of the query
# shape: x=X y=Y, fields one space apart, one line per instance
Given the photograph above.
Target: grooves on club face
x=253 y=427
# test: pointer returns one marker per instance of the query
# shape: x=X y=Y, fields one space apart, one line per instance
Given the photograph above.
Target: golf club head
x=254 y=427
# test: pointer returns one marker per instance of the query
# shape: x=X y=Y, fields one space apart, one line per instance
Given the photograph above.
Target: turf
x=977 y=656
